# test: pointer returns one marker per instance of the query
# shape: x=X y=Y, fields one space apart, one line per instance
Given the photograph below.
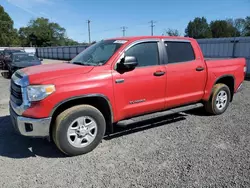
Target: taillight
x=245 y=69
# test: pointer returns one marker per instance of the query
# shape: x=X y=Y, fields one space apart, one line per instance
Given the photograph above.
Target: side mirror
x=41 y=59
x=129 y=62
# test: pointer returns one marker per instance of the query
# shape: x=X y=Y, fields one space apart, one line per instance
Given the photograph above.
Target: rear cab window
x=178 y=51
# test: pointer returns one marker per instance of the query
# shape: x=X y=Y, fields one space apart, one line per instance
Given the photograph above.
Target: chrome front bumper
x=30 y=126
x=24 y=125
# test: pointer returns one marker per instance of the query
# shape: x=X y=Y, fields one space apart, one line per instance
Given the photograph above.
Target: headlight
x=39 y=92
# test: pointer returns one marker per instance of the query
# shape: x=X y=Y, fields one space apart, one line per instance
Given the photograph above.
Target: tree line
x=200 y=28
x=41 y=32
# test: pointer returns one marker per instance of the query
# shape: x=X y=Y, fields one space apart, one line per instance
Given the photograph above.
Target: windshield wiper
x=100 y=62
x=83 y=63
x=77 y=63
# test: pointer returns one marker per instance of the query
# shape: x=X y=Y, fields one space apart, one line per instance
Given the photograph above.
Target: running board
x=126 y=122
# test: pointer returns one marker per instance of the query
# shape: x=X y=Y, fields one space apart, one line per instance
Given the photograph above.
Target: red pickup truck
x=118 y=81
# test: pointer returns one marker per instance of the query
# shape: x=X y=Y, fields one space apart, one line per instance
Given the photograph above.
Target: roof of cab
x=134 y=38
x=19 y=53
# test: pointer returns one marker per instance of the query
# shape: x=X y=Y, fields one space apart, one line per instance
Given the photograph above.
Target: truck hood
x=41 y=73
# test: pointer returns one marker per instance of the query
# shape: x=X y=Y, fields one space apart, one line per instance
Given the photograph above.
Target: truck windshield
x=98 y=53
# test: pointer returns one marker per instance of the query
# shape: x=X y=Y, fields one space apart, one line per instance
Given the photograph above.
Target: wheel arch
x=228 y=80
x=99 y=101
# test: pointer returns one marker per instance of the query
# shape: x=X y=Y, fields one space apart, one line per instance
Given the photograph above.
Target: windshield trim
x=119 y=44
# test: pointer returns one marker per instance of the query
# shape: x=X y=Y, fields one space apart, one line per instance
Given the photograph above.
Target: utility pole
x=89 y=30
x=152 y=27
x=123 y=30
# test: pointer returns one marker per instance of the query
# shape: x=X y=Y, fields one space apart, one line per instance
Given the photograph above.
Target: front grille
x=16 y=93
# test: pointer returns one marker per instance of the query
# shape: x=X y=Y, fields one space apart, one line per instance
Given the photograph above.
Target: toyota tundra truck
x=119 y=81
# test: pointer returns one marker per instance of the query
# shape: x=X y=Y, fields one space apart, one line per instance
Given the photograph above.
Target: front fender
x=96 y=95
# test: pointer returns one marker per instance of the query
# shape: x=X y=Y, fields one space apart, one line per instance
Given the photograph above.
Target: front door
x=141 y=90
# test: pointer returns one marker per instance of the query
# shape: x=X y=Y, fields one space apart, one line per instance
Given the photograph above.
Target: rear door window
x=179 y=51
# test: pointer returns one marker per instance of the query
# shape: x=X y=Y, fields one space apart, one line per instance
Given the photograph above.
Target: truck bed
x=223 y=62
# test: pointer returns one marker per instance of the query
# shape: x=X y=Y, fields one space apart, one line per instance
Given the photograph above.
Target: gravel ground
x=186 y=150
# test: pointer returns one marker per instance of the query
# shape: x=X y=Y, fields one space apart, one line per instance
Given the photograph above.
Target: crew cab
x=119 y=81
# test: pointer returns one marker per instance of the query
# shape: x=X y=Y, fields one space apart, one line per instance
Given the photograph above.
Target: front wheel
x=79 y=129
x=219 y=100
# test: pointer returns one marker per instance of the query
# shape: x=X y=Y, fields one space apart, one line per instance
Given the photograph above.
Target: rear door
x=141 y=90
x=186 y=73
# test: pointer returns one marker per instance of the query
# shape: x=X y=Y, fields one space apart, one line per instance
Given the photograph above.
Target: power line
x=152 y=26
x=105 y=30
x=123 y=30
x=113 y=29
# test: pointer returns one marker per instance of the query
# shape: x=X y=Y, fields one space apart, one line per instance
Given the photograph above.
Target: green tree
x=70 y=42
x=198 y=28
x=24 y=36
x=222 y=28
x=41 y=32
x=15 y=38
x=240 y=26
x=8 y=35
x=173 y=32
x=247 y=26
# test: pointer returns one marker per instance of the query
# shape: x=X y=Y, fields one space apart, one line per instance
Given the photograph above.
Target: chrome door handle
x=118 y=81
x=159 y=73
x=199 y=68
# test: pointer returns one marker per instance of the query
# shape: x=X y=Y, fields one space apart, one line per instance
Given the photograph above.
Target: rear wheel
x=79 y=129
x=219 y=100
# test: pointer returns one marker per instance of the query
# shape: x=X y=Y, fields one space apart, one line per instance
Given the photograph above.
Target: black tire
x=5 y=66
x=10 y=72
x=210 y=106
x=63 y=121
x=1 y=65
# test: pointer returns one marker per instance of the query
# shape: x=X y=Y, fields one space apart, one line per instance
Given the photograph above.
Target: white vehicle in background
x=30 y=50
